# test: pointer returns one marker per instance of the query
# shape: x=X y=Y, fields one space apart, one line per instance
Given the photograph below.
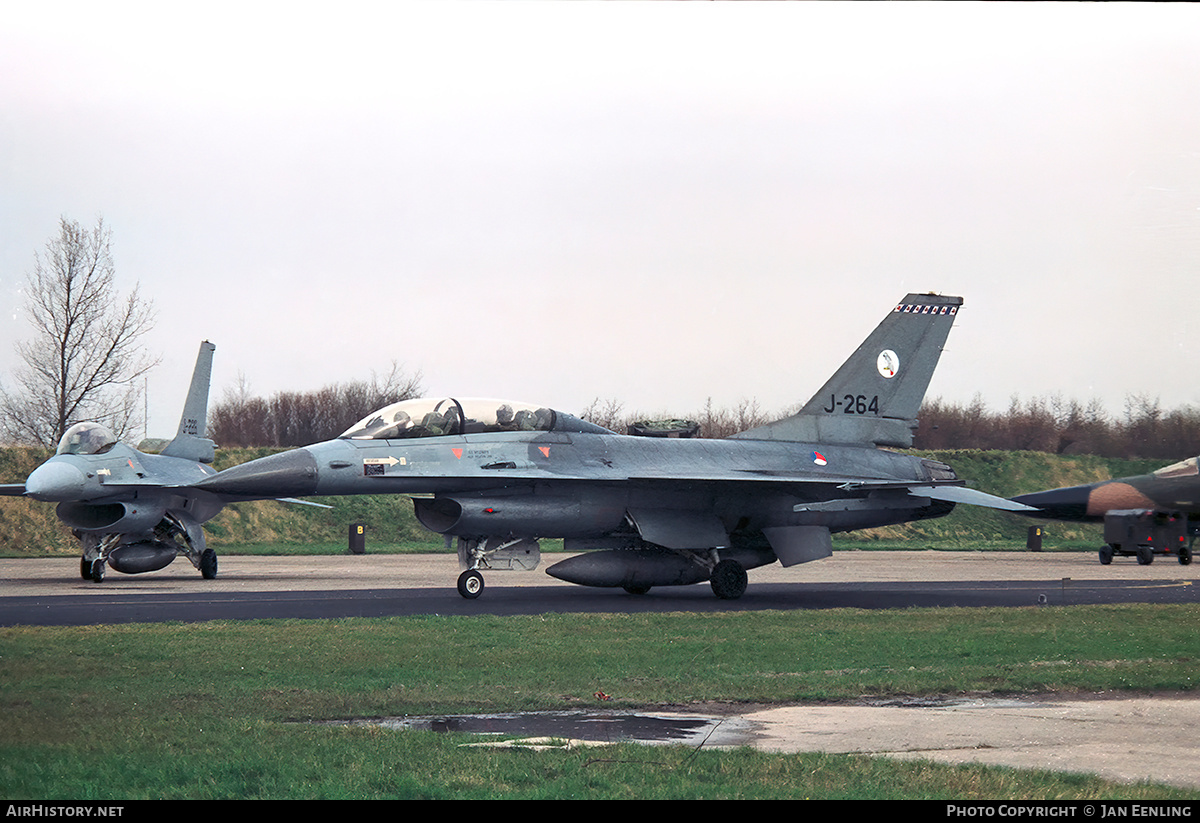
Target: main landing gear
x=728 y=580
x=147 y=552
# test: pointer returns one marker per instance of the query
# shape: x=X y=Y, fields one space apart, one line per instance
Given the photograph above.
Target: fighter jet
x=130 y=510
x=1143 y=515
x=646 y=511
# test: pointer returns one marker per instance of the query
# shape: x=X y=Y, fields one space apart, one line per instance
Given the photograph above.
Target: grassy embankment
x=29 y=528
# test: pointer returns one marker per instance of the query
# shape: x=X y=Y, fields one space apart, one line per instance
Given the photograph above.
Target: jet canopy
x=436 y=417
x=1184 y=468
x=86 y=438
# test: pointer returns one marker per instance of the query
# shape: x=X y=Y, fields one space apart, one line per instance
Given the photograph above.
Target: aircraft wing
x=12 y=489
x=953 y=492
x=948 y=492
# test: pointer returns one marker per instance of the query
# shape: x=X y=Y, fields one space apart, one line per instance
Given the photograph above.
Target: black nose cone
x=287 y=474
x=1070 y=503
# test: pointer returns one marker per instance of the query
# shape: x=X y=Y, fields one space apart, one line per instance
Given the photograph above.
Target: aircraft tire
x=85 y=568
x=1145 y=555
x=208 y=564
x=728 y=580
x=97 y=571
x=470 y=584
x=636 y=589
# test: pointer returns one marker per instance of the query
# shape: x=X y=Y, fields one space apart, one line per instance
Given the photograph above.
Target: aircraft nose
x=55 y=481
x=1069 y=503
x=287 y=474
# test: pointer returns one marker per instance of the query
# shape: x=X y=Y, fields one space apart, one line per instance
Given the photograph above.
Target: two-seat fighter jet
x=130 y=510
x=648 y=511
x=1143 y=515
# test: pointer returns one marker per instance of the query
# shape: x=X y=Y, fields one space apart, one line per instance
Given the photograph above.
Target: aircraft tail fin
x=876 y=394
x=190 y=441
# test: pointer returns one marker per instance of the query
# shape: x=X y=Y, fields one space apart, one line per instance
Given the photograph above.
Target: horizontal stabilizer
x=961 y=494
x=300 y=502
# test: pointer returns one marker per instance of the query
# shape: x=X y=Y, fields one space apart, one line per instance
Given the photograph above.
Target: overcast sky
x=656 y=203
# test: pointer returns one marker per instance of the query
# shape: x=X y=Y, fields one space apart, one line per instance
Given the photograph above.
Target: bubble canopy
x=438 y=417
x=86 y=438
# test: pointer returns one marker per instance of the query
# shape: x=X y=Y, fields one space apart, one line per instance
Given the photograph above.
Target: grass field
x=221 y=710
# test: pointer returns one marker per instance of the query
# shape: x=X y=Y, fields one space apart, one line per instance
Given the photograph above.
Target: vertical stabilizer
x=876 y=394
x=190 y=441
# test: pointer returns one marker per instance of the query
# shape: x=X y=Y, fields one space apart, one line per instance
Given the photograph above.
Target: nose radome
x=287 y=474
x=55 y=481
x=1070 y=503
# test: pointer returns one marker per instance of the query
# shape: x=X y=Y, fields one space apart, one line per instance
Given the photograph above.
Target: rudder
x=190 y=441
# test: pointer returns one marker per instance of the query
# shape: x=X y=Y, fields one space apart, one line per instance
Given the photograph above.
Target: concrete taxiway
x=1126 y=738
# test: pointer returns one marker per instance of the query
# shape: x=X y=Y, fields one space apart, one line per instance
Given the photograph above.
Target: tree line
x=1144 y=429
x=294 y=418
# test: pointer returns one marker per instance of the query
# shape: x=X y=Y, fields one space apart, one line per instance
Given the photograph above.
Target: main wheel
x=97 y=571
x=470 y=584
x=728 y=580
x=632 y=589
x=208 y=564
x=85 y=568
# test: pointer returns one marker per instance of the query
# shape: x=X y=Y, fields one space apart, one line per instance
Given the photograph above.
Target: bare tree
x=85 y=359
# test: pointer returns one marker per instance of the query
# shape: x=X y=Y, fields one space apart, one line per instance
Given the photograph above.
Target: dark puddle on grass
x=590 y=726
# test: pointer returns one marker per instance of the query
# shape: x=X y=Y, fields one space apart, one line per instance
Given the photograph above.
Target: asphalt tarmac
x=1145 y=737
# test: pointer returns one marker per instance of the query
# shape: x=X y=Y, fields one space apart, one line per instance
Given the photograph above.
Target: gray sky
x=652 y=202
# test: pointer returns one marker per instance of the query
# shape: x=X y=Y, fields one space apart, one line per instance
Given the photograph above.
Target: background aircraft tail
x=876 y=394
x=190 y=441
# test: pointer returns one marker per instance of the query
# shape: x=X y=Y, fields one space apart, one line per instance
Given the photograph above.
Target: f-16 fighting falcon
x=649 y=511
x=1143 y=515
x=131 y=510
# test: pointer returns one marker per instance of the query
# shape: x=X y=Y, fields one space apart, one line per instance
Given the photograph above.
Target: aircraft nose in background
x=55 y=481
x=1063 y=504
x=287 y=474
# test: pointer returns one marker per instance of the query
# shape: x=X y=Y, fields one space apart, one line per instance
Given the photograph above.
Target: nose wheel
x=470 y=584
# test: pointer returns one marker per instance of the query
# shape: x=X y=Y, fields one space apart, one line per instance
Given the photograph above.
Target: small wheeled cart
x=1143 y=533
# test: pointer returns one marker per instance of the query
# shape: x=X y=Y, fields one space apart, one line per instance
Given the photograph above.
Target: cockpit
x=1184 y=468
x=86 y=438
x=437 y=417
